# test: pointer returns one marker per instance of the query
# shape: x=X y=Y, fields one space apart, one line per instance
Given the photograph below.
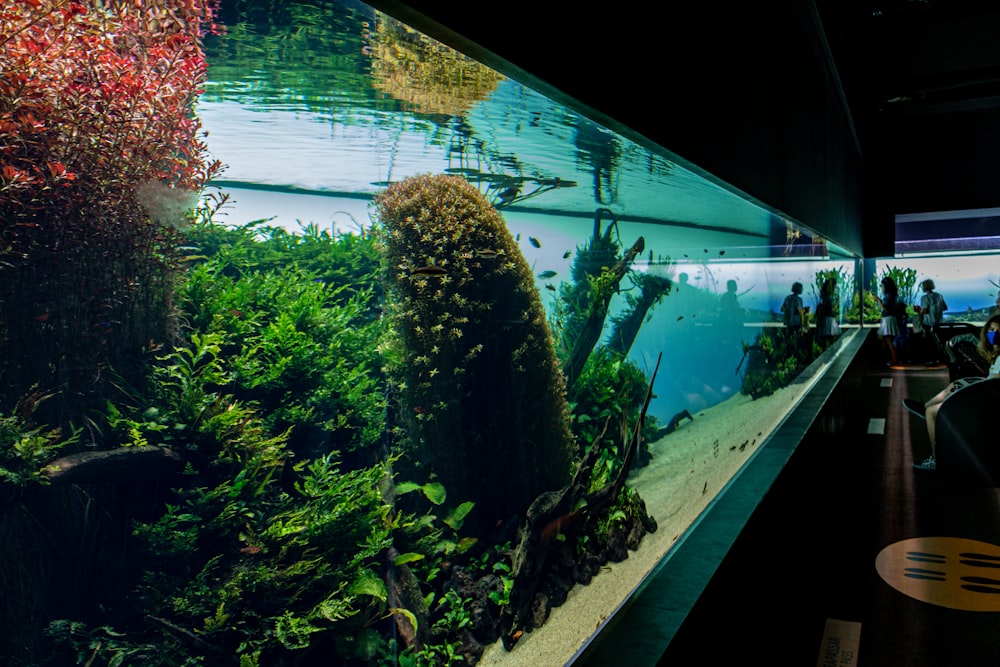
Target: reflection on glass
x=440 y=351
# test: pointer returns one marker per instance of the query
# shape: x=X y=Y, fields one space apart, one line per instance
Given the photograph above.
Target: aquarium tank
x=323 y=343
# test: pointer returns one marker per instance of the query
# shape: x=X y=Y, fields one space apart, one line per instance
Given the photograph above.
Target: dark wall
x=743 y=91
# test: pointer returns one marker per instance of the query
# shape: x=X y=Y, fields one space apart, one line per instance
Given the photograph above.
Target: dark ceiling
x=920 y=78
x=911 y=58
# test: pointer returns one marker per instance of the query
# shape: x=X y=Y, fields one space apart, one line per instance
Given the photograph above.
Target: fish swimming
x=429 y=271
x=535 y=242
x=545 y=275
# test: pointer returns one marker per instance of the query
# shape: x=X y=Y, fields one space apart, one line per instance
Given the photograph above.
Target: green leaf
x=435 y=492
x=367 y=644
x=402 y=559
x=406 y=613
x=369 y=583
x=457 y=516
x=405 y=487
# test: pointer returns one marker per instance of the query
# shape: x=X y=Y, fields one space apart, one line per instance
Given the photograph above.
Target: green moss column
x=477 y=389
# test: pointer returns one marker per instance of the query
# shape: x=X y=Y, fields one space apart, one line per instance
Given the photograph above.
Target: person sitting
x=989 y=348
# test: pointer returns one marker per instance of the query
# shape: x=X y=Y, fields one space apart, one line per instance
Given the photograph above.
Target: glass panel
x=704 y=289
x=432 y=353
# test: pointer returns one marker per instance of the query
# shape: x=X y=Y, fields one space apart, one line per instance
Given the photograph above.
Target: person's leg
x=892 y=350
x=932 y=412
x=937 y=398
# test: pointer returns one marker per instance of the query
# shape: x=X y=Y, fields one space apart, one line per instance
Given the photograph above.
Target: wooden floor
x=854 y=557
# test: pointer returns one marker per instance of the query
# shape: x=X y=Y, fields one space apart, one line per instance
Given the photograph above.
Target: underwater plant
x=775 y=359
x=300 y=329
x=101 y=159
x=906 y=282
x=479 y=399
x=583 y=304
x=652 y=290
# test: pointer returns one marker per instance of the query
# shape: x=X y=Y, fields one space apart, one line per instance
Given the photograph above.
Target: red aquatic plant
x=96 y=105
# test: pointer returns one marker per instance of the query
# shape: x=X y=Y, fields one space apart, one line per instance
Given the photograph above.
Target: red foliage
x=96 y=106
x=97 y=97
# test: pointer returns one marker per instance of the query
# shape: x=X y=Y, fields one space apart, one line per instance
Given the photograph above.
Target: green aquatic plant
x=775 y=359
x=609 y=388
x=905 y=279
x=652 y=290
x=300 y=333
x=25 y=446
x=479 y=399
x=583 y=303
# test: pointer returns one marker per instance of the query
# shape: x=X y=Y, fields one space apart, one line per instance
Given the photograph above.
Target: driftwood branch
x=591 y=330
x=404 y=593
x=112 y=466
x=556 y=512
x=193 y=640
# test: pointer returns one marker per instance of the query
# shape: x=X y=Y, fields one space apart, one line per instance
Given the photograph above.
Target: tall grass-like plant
x=101 y=158
x=906 y=281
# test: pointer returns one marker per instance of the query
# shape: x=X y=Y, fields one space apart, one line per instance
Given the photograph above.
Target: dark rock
x=617 y=549
x=634 y=536
x=556 y=587
x=470 y=648
x=540 y=609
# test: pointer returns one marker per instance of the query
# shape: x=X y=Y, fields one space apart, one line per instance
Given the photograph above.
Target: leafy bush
x=298 y=327
x=239 y=564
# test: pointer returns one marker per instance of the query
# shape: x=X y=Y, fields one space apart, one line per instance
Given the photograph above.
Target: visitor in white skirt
x=827 y=312
x=889 y=328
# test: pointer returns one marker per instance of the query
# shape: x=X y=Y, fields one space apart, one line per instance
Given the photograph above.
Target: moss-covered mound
x=479 y=393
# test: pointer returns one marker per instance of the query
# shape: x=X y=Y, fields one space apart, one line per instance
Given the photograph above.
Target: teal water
x=316 y=149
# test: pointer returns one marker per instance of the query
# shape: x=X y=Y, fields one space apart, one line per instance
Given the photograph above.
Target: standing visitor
x=827 y=312
x=889 y=327
x=793 y=313
x=931 y=312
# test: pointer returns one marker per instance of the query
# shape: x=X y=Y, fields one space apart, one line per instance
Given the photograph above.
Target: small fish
x=550 y=288
x=517 y=635
x=429 y=271
x=680 y=317
x=567 y=254
x=44 y=317
x=486 y=253
x=545 y=275
x=250 y=549
x=535 y=242
x=721 y=253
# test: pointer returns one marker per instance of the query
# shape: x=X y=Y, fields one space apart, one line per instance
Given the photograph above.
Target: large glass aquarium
x=362 y=353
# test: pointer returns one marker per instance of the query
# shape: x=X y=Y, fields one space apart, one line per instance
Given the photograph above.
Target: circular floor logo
x=949 y=572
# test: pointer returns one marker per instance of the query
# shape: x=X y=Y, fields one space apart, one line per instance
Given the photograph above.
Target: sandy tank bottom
x=689 y=468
